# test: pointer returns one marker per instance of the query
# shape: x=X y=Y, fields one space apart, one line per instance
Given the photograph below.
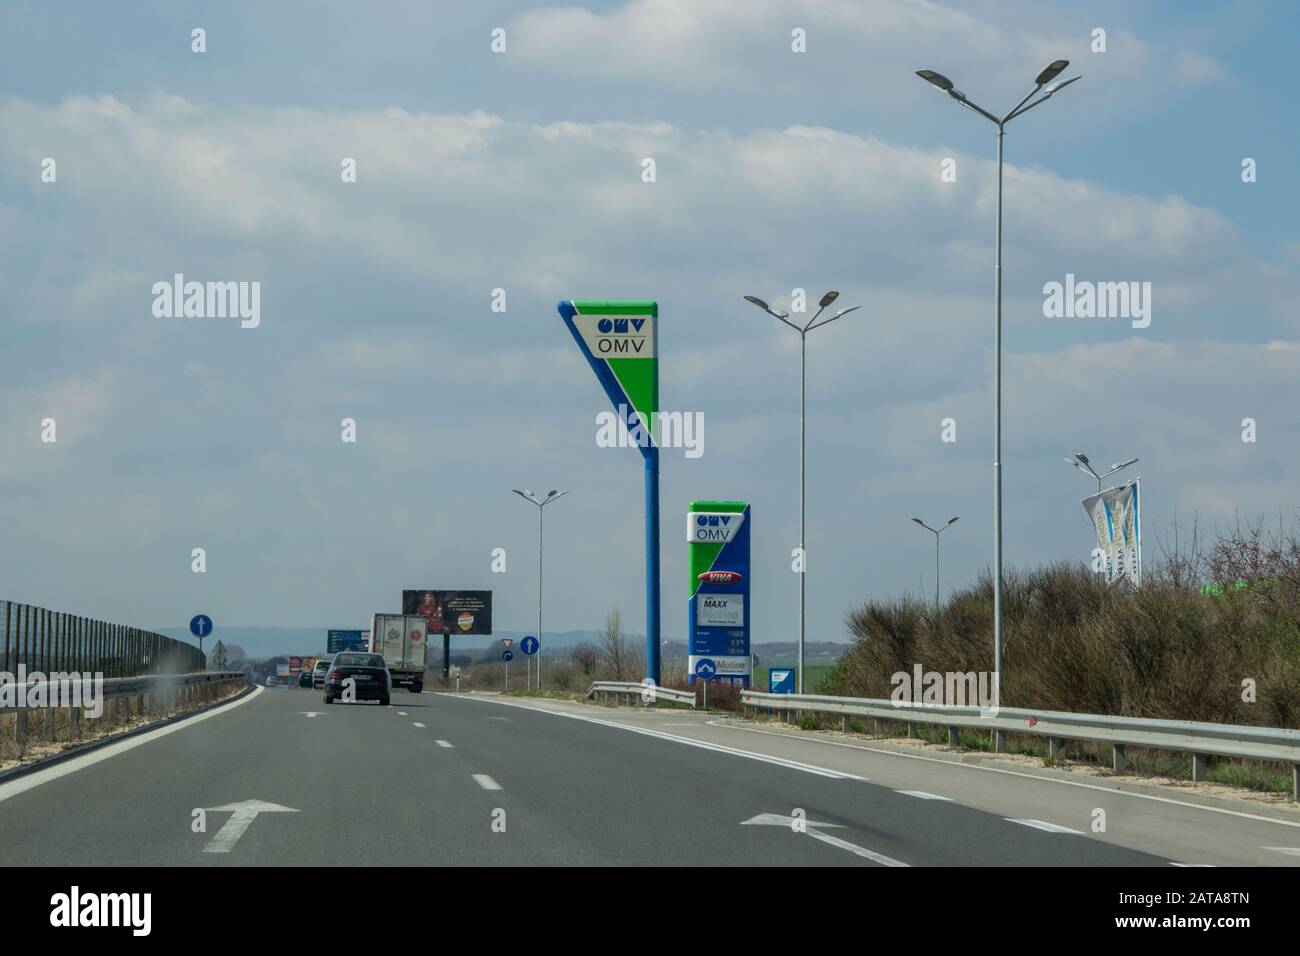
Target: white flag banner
x=1118 y=520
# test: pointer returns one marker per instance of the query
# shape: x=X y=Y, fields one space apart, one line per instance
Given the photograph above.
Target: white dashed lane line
x=922 y=795
x=416 y=723
x=486 y=782
x=1044 y=825
x=443 y=743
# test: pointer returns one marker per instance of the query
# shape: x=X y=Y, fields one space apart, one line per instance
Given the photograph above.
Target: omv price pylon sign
x=718 y=608
x=620 y=341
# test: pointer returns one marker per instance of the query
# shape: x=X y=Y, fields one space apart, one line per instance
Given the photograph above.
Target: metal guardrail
x=1274 y=744
x=154 y=693
x=636 y=692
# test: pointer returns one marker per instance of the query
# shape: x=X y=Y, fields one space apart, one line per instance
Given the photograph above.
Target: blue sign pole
x=652 y=564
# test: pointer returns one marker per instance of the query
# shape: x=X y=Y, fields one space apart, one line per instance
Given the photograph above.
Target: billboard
x=718 y=609
x=451 y=612
x=1116 y=515
x=295 y=665
x=339 y=640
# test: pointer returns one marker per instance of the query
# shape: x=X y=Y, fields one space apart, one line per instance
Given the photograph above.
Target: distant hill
x=260 y=643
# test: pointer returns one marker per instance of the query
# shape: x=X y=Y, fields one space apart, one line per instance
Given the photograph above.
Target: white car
x=320 y=670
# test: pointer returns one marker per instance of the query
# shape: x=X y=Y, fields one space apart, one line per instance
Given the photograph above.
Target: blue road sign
x=529 y=645
x=780 y=680
x=200 y=625
x=507 y=656
x=705 y=669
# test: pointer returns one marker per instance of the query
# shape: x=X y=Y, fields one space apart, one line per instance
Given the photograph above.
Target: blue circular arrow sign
x=529 y=645
x=507 y=656
x=705 y=668
x=200 y=625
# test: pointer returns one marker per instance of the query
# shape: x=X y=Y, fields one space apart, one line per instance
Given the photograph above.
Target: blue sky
x=776 y=170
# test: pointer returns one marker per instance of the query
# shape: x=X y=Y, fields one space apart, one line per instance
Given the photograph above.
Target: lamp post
x=951 y=522
x=803 y=331
x=1045 y=79
x=1080 y=461
x=541 y=503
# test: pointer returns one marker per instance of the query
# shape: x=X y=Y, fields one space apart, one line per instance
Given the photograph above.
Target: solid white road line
x=443 y=743
x=486 y=782
x=716 y=748
x=28 y=781
x=1288 y=850
x=1044 y=825
x=922 y=795
x=416 y=723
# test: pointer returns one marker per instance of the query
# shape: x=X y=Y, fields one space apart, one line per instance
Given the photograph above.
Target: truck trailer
x=401 y=638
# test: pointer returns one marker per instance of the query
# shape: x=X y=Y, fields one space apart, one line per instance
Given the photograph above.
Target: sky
x=522 y=170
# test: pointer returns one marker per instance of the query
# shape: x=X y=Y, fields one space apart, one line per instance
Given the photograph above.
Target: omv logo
x=619 y=326
x=713 y=527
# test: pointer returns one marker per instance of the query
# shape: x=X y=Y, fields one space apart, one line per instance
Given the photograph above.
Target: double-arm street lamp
x=803 y=331
x=541 y=503
x=936 y=533
x=1080 y=461
x=1045 y=83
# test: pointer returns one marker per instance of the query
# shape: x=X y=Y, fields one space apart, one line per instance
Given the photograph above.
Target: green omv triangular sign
x=621 y=343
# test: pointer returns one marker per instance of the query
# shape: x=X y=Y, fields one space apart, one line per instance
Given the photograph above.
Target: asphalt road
x=435 y=779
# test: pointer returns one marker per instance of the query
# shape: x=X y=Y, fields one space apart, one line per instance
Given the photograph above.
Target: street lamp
x=541 y=503
x=803 y=331
x=936 y=533
x=1045 y=79
x=1080 y=461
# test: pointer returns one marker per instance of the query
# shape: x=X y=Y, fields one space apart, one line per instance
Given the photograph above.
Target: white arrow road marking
x=312 y=713
x=1044 y=825
x=486 y=782
x=242 y=816
x=1288 y=850
x=776 y=820
x=416 y=723
x=443 y=743
x=922 y=795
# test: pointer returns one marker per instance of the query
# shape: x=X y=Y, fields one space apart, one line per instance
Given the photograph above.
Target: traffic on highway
x=423 y=445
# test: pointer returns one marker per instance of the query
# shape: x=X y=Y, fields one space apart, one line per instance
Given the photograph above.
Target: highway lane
x=369 y=786
x=1174 y=823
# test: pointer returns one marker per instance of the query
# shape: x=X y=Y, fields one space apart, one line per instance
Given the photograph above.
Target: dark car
x=365 y=674
x=304 y=679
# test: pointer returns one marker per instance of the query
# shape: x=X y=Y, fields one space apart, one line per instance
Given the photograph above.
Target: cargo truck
x=400 y=638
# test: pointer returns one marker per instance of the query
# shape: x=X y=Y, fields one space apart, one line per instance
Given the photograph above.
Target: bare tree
x=614 y=652
x=585 y=657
